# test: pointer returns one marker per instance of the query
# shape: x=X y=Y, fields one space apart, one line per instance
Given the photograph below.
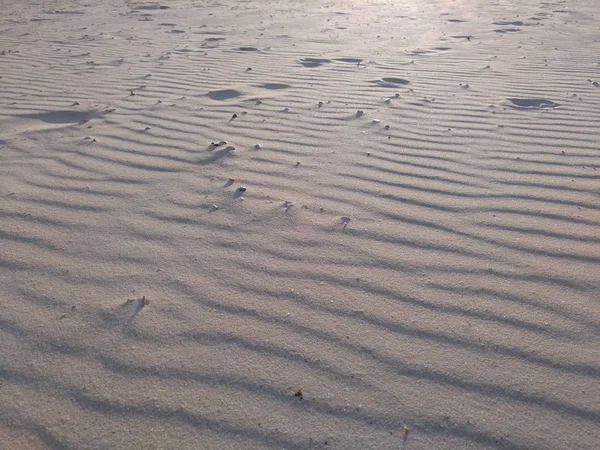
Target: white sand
x=442 y=274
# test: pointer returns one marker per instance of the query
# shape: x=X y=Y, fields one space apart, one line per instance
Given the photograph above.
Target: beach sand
x=299 y=224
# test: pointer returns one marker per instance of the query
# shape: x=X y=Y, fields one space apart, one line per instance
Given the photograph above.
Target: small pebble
x=286 y=110
x=258 y=102
x=387 y=101
x=257 y=146
x=359 y=113
x=387 y=127
x=234 y=116
x=398 y=95
x=248 y=69
x=241 y=189
x=368 y=153
x=320 y=104
x=376 y=121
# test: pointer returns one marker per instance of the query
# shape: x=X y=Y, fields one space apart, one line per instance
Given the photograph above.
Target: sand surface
x=414 y=264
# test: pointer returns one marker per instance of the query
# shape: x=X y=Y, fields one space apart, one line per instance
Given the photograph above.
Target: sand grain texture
x=417 y=246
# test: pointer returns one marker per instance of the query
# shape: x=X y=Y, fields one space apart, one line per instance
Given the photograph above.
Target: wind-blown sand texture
x=414 y=264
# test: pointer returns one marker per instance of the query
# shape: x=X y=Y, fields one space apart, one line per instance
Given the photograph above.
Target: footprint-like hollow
x=350 y=60
x=314 y=62
x=507 y=30
x=62 y=117
x=275 y=86
x=223 y=94
x=516 y=23
x=532 y=103
x=391 y=82
x=150 y=7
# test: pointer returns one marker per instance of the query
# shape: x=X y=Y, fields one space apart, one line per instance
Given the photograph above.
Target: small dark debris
x=241 y=189
x=298 y=394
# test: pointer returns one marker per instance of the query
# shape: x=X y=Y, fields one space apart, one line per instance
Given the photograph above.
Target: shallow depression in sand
x=533 y=103
x=224 y=94
x=314 y=62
